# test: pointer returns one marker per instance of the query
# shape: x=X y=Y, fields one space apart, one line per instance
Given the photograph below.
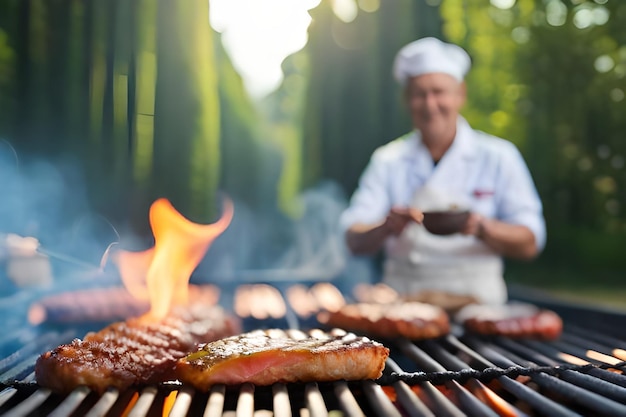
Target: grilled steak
x=518 y=320
x=132 y=352
x=264 y=357
x=412 y=320
x=104 y=304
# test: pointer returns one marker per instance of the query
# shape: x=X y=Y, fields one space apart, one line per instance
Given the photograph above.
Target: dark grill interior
x=582 y=373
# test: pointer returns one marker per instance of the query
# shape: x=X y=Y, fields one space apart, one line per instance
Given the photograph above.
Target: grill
x=582 y=373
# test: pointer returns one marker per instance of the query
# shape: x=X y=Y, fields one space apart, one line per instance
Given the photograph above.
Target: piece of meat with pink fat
x=265 y=357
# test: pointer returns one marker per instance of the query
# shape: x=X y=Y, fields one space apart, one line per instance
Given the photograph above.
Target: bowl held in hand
x=445 y=222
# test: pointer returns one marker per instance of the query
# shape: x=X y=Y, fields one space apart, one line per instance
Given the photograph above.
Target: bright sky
x=259 y=35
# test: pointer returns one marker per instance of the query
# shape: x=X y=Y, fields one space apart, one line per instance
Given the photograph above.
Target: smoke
x=272 y=248
x=48 y=201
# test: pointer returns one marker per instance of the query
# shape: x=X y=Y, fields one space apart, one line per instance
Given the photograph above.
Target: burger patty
x=516 y=320
x=264 y=357
x=132 y=352
x=412 y=320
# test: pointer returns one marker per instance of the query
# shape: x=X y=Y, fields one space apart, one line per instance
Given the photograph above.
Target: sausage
x=516 y=320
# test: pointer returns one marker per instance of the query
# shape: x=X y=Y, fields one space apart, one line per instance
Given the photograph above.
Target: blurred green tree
x=140 y=95
x=559 y=87
x=353 y=104
x=547 y=75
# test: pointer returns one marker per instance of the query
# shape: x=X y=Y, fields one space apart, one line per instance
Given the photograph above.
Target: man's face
x=434 y=101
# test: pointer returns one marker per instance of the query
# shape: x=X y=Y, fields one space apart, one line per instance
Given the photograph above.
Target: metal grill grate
x=581 y=374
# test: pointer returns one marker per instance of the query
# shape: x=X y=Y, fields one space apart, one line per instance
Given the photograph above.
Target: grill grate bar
x=449 y=361
x=347 y=401
x=280 y=399
x=556 y=350
x=30 y=404
x=472 y=402
x=462 y=347
x=315 y=401
x=589 y=334
x=586 y=355
x=443 y=405
x=379 y=400
x=612 y=377
x=512 y=386
x=594 y=384
x=21 y=370
x=419 y=356
x=593 y=352
x=599 y=359
x=539 y=402
x=572 y=392
x=245 y=402
x=215 y=404
x=144 y=402
x=409 y=400
x=586 y=343
x=543 y=355
x=6 y=395
x=182 y=403
x=105 y=402
x=553 y=354
x=469 y=402
x=44 y=342
x=71 y=402
x=438 y=402
x=590 y=400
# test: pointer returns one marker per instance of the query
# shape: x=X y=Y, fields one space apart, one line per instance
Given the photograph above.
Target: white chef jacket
x=480 y=172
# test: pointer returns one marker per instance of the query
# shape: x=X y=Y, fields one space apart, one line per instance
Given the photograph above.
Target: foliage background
x=105 y=106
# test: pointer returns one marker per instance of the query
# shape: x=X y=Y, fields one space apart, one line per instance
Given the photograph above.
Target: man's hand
x=367 y=239
x=474 y=225
x=399 y=217
x=510 y=240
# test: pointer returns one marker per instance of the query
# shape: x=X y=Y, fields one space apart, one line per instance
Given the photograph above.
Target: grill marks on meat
x=413 y=320
x=264 y=357
x=516 y=320
x=132 y=352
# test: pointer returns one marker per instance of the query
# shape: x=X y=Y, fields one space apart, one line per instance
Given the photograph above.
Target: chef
x=444 y=164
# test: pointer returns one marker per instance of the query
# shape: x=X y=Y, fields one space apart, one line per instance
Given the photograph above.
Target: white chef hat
x=428 y=55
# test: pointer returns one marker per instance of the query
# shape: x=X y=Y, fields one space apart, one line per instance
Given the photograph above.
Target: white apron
x=418 y=260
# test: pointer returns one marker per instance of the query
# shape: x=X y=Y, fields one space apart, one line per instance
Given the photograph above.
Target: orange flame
x=133 y=267
x=161 y=274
